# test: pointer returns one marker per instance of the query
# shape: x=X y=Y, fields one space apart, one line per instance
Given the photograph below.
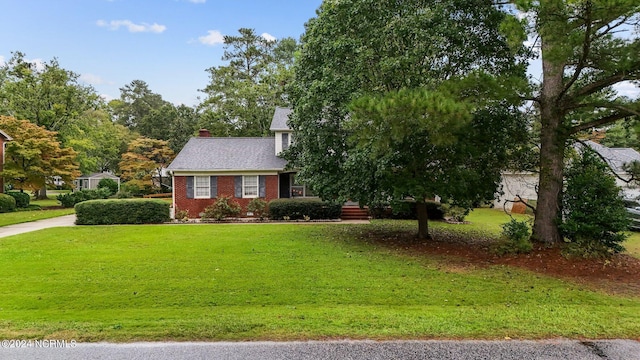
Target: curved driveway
x=67 y=220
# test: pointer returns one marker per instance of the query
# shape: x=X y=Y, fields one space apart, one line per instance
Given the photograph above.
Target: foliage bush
x=7 y=203
x=258 y=207
x=515 y=238
x=181 y=215
x=224 y=207
x=595 y=219
x=71 y=199
x=455 y=213
x=296 y=209
x=132 y=189
x=110 y=184
x=22 y=198
x=122 y=211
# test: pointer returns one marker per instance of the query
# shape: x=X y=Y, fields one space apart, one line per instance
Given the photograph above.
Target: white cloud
x=106 y=97
x=93 y=79
x=213 y=37
x=1 y=60
x=268 y=37
x=197 y=1
x=131 y=26
x=628 y=89
x=38 y=63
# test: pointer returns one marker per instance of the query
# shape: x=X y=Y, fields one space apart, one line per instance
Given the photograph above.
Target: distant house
x=91 y=181
x=525 y=184
x=242 y=168
x=4 y=138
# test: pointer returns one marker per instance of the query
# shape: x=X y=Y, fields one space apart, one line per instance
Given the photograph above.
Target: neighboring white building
x=91 y=181
x=525 y=184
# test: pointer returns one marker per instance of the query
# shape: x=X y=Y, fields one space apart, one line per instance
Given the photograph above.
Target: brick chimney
x=204 y=133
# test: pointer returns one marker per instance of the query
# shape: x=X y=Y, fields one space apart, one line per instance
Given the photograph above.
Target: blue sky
x=166 y=43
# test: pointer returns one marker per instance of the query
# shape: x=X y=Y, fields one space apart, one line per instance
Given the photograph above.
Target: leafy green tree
x=146 y=113
x=50 y=97
x=622 y=134
x=594 y=215
x=587 y=47
x=35 y=156
x=242 y=95
x=99 y=142
x=136 y=102
x=397 y=99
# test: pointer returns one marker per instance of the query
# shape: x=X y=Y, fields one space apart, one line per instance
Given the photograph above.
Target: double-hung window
x=202 y=187
x=250 y=186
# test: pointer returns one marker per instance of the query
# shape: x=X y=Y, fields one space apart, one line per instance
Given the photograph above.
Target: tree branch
x=586 y=50
x=603 y=121
x=520 y=200
x=606 y=161
x=606 y=82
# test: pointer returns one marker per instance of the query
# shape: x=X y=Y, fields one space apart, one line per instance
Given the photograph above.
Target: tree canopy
x=405 y=99
x=35 y=156
x=587 y=47
x=145 y=159
x=242 y=95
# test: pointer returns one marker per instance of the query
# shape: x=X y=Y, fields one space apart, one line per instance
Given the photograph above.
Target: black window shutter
x=213 y=184
x=190 y=191
x=238 y=186
x=262 y=186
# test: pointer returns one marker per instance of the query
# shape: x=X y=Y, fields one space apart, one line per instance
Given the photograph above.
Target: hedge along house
x=4 y=138
x=242 y=168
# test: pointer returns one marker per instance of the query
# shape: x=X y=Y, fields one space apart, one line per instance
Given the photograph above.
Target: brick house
x=4 y=138
x=242 y=168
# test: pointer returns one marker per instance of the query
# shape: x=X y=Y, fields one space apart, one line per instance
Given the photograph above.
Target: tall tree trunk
x=423 y=220
x=548 y=209
x=42 y=193
x=552 y=141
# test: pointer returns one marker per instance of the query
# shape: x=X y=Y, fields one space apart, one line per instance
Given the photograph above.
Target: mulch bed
x=619 y=274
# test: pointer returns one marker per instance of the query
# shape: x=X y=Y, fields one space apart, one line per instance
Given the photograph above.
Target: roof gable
x=616 y=157
x=232 y=153
x=280 y=119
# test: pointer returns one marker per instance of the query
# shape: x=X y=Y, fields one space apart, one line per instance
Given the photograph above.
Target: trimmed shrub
x=296 y=209
x=224 y=207
x=7 y=203
x=71 y=199
x=515 y=238
x=22 y=198
x=122 y=211
x=110 y=184
x=258 y=207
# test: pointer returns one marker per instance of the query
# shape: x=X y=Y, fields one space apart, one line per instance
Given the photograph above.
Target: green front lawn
x=277 y=282
x=633 y=244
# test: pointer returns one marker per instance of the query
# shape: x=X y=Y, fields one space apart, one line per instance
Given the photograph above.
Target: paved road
x=351 y=350
x=67 y=220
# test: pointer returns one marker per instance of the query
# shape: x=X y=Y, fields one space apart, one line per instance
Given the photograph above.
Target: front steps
x=350 y=212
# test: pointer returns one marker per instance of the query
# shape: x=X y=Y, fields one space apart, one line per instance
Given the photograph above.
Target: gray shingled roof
x=232 y=153
x=280 y=118
x=616 y=157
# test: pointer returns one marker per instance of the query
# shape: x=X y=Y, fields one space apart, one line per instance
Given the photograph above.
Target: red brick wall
x=225 y=188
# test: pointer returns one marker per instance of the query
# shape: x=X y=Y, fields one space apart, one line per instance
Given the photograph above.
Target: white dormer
x=284 y=135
